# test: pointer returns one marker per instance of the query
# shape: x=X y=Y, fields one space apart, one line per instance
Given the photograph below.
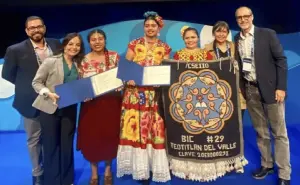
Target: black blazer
x=20 y=66
x=270 y=64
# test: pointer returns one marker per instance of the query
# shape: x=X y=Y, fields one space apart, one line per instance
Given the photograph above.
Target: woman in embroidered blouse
x=191 y=52
x=142 y=139
x=58 y=125
x=189 y=169
x=99 y=120
x=221 y=47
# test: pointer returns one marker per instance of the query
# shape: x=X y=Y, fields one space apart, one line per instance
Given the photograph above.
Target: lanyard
x=218 y=52
x=241 y=49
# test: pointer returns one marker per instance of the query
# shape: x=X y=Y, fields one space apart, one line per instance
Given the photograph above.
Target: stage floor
x=15 y=164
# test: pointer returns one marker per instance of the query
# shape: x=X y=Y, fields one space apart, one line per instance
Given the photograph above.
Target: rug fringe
x=205 y=172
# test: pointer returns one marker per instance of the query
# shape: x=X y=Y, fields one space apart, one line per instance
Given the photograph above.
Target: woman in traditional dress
x=192 y=51
x=99 y=120
x=222 y=48
x=186 y=169
x=142 y=139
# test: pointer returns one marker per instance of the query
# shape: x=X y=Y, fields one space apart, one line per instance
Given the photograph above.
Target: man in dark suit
x=21 y=62
x=264 y=83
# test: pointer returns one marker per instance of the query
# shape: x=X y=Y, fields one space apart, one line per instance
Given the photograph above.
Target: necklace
x=149 y=50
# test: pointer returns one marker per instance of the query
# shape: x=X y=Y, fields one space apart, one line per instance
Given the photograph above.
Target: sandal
x=108 y=180
x=94 y=182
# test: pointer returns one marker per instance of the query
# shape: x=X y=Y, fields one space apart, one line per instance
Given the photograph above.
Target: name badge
x=247 y=64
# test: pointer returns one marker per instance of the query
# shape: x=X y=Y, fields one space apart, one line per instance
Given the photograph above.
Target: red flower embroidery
x=145 y=119
x=158 y=128
x=144 y=132
x=191 y=57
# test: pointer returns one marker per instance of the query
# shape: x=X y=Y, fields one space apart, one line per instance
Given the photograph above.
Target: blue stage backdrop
x=118 y=36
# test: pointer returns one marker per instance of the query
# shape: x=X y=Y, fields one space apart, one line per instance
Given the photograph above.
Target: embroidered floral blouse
x=190 y=56
x=146 y=56
x=92 y=67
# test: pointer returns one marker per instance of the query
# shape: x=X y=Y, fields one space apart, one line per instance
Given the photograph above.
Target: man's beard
x=37 y=38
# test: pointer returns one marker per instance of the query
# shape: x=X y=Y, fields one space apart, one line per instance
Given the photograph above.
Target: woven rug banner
x=202 y=112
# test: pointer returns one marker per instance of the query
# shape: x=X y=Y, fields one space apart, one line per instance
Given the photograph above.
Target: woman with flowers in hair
x=197 y=170
x=142 y=138
x=192 y=51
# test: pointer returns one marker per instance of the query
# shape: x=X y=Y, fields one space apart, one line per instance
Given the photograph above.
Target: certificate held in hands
x=94 y=86
x=144 y=76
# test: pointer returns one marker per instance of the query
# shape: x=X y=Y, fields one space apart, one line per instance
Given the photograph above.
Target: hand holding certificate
x=86 y=88
x=144 y=76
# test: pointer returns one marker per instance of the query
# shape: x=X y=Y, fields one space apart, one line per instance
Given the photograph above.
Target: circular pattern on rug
x=201 y=102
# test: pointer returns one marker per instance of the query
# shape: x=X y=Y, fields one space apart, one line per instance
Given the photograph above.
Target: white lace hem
x=205 y=172
x=139 y=162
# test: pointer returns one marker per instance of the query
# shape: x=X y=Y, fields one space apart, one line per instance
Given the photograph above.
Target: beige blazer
x=49 y=75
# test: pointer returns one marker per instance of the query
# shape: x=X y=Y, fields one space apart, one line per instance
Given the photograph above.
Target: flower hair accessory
x=150 y=14
x=183 y=29
x=156 y=17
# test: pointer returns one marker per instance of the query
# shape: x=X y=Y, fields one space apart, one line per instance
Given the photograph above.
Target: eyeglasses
x=32 y=28
x=245 y=17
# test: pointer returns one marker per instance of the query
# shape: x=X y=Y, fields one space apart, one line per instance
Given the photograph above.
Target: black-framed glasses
x=245 y=17
x=32 y=28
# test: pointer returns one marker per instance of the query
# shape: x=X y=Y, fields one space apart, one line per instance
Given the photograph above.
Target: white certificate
x=106 y=81
x=157 y=75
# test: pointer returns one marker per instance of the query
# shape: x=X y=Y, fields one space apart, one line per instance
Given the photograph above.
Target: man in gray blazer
x=21 y=63
x=264 y=84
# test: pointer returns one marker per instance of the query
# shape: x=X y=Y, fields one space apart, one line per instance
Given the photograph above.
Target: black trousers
x=57 y=139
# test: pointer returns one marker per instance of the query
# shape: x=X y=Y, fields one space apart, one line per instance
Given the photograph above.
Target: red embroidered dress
x=142 y=138
x=99 y=119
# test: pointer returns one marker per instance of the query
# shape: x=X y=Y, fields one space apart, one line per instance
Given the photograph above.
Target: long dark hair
x=79 y=57
x=101 y=32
